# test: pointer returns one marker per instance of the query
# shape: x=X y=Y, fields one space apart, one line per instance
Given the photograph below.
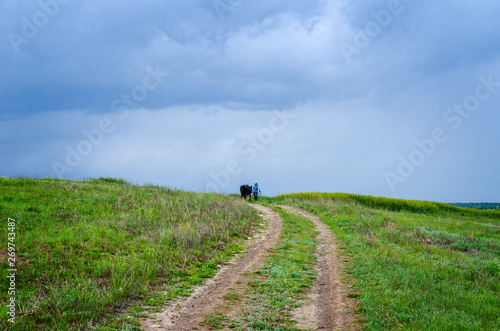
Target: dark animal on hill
x=246 y=191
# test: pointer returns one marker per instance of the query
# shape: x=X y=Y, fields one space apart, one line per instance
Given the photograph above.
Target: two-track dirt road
x=328 y=307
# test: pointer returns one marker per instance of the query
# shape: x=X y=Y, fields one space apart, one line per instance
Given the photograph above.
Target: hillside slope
x=84 y=250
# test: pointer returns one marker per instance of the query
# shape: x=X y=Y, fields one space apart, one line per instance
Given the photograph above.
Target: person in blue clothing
x=255 y=191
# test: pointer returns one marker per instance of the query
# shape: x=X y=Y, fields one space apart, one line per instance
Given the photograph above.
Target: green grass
x=415 y=206
x=433 y=268
x=275 y=291
x=90 y=253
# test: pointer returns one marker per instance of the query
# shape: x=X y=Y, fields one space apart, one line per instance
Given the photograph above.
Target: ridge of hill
x=392 y=204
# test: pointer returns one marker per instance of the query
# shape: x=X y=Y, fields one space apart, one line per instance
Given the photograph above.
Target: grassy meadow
x=415 y=265
x=90 y=254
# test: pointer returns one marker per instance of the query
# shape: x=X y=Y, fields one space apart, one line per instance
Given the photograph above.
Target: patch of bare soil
x=328 y=307
x=189 y=313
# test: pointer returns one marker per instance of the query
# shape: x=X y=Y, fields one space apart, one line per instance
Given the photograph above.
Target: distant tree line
x=479 y=205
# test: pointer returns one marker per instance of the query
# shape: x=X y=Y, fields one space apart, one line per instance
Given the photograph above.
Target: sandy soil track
x=328 y=307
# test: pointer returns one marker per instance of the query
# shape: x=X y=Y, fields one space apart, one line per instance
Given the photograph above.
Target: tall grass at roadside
x=415 y=269
x=87 y=249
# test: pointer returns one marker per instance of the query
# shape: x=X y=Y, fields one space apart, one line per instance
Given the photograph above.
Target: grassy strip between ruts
x=90 y=254
x=272 y=293
x=416 y=271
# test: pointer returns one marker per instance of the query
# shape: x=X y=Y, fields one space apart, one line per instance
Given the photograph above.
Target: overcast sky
x=388 y=98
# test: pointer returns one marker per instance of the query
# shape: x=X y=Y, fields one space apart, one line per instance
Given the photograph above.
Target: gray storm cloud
x=170 y=93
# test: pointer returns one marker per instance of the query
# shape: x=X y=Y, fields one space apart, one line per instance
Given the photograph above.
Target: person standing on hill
x=255 y=191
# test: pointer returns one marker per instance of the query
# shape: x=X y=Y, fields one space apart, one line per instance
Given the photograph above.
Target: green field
x=415 y=265
x=91 y=253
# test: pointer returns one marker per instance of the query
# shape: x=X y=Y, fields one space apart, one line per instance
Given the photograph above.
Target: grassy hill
x=88 y=250
x=90 y=254
x=415 y=265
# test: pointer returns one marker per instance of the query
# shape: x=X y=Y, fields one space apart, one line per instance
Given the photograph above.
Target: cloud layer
x=185 y=86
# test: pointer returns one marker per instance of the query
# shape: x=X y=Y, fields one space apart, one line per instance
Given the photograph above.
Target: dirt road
x=328 y=307
x=333 y=310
